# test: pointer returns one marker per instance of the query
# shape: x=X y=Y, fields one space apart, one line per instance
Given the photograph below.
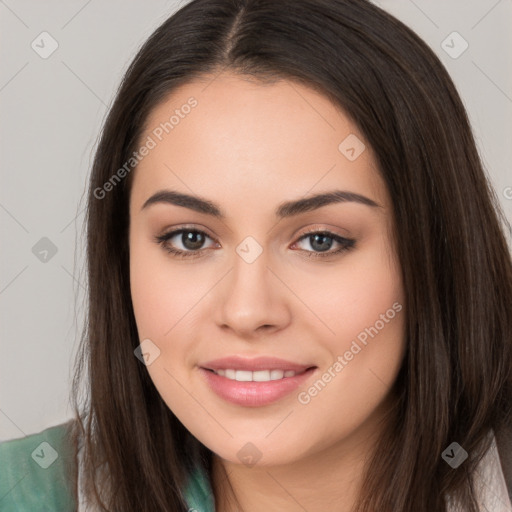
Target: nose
x=252 y=299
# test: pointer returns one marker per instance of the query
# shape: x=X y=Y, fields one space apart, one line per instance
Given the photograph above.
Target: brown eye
x=191 y=240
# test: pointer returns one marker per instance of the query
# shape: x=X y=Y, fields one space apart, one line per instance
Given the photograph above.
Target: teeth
x=258 y=376
x=243 y=376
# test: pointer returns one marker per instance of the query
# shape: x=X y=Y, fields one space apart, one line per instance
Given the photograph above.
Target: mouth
x=256 y=382
x=258 y=375
x=254 y=365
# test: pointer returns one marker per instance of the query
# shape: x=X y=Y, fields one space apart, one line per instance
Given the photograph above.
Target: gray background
x=51 y=113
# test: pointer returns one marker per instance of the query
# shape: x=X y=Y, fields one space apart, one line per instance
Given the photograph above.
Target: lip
x=254 y=394
x=254 y=364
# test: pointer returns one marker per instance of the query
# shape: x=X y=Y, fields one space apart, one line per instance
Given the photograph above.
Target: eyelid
x=321 y=228
x=185 y=227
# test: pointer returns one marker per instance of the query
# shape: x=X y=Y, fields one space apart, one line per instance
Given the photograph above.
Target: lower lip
x=254 y=394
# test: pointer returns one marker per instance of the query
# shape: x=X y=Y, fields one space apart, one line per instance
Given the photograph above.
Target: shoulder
x=504 y=445
x=198 y=491
x=39 y=469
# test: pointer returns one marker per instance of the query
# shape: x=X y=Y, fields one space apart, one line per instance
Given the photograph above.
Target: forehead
x=219 y=135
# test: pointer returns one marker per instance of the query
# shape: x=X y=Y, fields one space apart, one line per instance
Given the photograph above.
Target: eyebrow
x=286 y=209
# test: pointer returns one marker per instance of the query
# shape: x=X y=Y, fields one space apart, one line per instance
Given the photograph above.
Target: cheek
x=161 y=296
x=365 y=311
x=357 y=292
x=150 y=303
x=160 y=303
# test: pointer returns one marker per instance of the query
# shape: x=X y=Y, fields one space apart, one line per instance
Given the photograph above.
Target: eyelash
x=346 y=243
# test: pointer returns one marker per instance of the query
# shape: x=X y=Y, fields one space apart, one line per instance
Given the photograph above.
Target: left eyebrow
x=286 y=209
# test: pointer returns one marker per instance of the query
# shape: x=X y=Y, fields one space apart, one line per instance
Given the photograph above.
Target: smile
x=256 y=376
x=254 y=388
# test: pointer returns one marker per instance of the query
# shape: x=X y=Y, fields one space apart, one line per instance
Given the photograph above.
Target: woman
x=299 y=284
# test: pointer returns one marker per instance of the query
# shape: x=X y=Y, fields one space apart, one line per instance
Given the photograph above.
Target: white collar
x=490 y=487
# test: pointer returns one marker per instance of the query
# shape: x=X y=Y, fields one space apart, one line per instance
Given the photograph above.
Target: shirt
x=35 y=477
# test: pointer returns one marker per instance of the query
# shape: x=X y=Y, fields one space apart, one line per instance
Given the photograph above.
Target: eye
x=192 y=241
x=322 y=242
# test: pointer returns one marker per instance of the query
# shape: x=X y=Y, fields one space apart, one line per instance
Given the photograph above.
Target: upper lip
x=254 y=364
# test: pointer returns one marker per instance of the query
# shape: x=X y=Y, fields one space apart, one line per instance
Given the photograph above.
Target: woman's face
x=253 y=285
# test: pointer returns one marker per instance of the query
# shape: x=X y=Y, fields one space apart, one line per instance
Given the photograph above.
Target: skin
x=248 y=147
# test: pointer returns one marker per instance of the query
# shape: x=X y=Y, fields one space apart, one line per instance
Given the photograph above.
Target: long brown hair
x=455 y=383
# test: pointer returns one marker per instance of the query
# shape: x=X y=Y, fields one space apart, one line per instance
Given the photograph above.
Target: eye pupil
x=192 y=240
x=322 y=246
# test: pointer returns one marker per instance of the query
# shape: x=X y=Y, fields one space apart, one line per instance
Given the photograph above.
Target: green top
x=36 y=471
